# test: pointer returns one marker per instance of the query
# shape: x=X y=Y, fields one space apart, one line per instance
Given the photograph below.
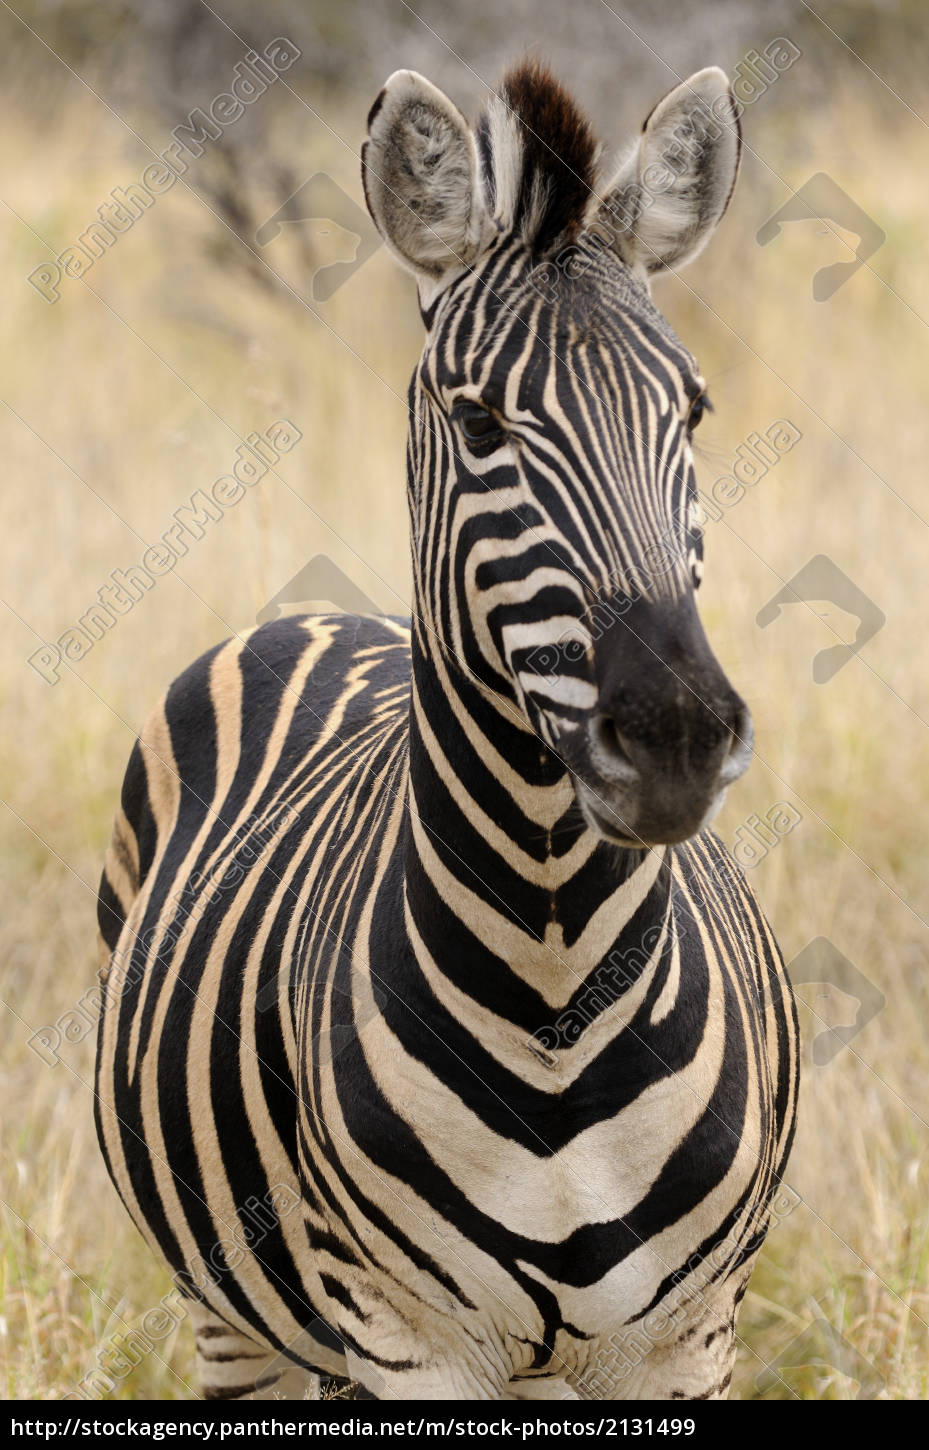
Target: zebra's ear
x=674 y=186
x=420 y=171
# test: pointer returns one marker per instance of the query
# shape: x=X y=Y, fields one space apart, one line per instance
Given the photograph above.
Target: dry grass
x=145 y=396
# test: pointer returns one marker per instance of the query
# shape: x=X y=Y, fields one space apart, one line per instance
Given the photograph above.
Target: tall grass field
x=134 y=389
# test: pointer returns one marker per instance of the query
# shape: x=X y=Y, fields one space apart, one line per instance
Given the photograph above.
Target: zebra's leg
x=698 y=1369
x=695 y=1362
x=231 y=1366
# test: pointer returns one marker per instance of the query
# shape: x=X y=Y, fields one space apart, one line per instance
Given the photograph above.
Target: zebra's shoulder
x=316 y=651
x=344 y=634
x=224 y=707
x=252 y=674
x=274 y=657
x=241 y=686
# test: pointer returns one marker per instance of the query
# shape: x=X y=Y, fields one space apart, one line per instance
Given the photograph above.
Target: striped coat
x=418 y=939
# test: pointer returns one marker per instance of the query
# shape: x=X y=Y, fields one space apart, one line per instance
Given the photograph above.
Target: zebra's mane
x=539 y=157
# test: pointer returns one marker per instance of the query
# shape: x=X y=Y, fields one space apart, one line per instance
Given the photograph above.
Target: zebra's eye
x=700 y=405
x=479 y=426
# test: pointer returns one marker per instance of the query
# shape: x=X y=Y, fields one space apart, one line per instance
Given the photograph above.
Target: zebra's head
x=556 y=533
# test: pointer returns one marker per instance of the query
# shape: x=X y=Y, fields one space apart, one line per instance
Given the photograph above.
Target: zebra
x=361 y=864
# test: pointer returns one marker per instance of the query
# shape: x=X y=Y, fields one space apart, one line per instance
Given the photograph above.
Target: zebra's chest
x=545 y=1256
x=544 y=1199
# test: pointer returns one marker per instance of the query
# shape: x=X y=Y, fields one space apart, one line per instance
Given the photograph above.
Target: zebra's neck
x=498 y=854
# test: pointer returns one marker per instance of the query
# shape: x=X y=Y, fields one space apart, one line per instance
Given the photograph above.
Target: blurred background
x=254 y=290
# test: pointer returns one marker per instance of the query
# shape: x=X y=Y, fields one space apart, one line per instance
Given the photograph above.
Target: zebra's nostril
x=741 y=741
x=610 y=751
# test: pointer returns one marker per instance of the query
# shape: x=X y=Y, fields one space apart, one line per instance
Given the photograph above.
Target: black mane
x=559 y=154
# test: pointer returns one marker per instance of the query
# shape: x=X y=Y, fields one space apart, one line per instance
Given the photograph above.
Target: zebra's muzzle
x=635 y=795
x=669 y=734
